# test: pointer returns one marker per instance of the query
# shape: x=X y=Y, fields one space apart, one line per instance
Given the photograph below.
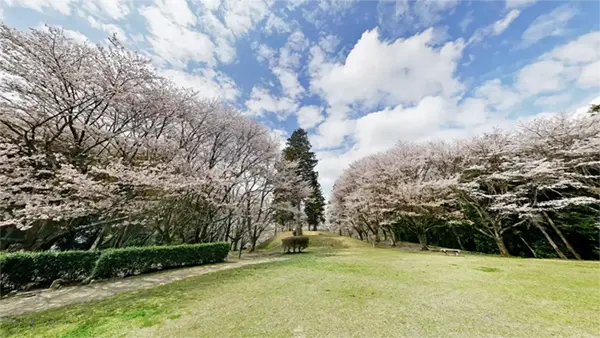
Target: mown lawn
x=344 y=288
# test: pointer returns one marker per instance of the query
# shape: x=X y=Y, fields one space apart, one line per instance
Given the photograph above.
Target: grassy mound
x=319 y=240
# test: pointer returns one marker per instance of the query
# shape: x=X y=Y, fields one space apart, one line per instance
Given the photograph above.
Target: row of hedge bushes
x=19 y=269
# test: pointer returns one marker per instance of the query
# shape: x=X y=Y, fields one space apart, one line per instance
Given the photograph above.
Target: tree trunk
x=562 y=237
x=99 y=238
x=462 y=247
x=299 y=220
x=253 y=244
x=422 y=240
x=500 y=243
x=314 y=227
x=550 y=241
x=529 y=247
x=392 y=236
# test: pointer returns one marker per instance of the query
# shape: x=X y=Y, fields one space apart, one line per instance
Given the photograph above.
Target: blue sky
x=358 y=75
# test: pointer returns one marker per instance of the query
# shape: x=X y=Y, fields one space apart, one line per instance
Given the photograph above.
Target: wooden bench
x=456 y=252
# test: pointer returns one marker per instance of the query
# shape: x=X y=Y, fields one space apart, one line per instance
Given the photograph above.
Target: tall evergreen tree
x=298 y=149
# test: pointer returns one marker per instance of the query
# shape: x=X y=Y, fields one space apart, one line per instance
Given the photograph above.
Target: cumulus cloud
x=309 y=116
x=401 y=71
x=379 y=72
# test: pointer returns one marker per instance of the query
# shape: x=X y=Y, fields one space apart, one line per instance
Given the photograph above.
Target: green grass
x=346 y=288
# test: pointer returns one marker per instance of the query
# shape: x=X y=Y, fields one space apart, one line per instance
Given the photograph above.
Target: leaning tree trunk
x=550 y=241
x=460 y=244
x=500 y=244
x=422 y=237
x=562 y=237
x=528 y=246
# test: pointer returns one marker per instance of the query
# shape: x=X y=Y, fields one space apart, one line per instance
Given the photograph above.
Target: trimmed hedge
x=18 y=269
x=294 y=243
x=21 y=268
x=137 y=260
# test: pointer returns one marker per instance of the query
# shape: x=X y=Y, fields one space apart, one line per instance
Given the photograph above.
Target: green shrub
x=294 y=243
x=137 y=260
x=21 y=268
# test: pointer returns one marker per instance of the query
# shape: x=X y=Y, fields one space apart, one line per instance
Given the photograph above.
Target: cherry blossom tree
x=94 y=143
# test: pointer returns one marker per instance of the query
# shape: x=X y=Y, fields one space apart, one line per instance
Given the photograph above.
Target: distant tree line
x=531 y=192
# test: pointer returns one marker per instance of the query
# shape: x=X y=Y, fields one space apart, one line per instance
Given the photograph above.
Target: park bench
x=456 y=252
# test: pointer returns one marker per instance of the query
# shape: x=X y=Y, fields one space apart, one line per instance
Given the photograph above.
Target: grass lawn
x=345 y=288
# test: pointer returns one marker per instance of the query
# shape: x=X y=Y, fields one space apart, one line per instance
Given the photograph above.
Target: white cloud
x=209 y=83
x=288 y=80
x=401 y=71
x=541 y=76
x=466 y=21
x=284 y=66
x=276 y=24
x=332 y=132
x=574 y=64
x=429 y=12
x=519 y=3
x=382 y=129
x=501 y=25
x=75 y=35
x=112 y=9
x=584 y=49
x=263 y=52
x=329 y=43
x=292 y=4
x=496 y=28
x=335 y=6
x=108 y=28
x=553 y=100
x=211 y=4
x=550 y=24
x=402 y=15
x=62 y=6
x=309 y=116
x=497 y=96
x=261 y=101
x=240 y=15
x=175 y=43
x=590 y=75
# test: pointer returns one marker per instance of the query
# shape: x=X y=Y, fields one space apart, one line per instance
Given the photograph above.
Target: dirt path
x=39 y=300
